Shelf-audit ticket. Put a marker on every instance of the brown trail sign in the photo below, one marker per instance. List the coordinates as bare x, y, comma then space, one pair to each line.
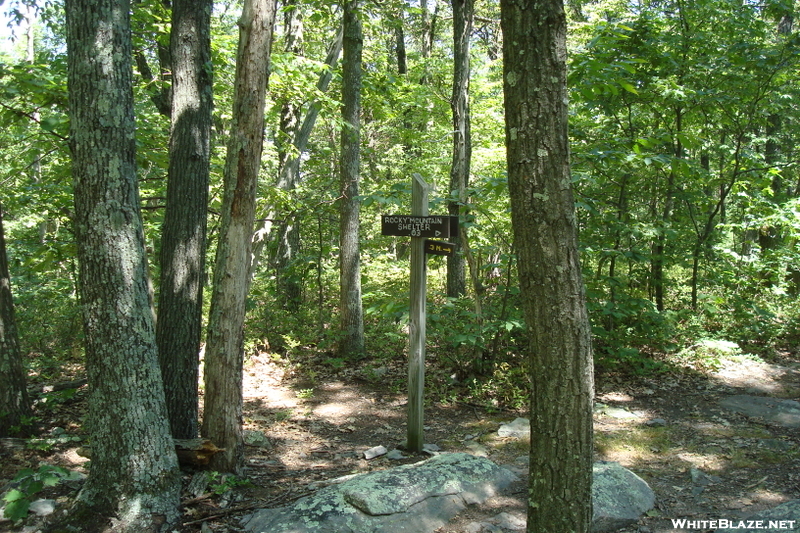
418, 226
439, 248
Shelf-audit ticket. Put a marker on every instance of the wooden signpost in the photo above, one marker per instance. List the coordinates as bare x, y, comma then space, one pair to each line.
419, 226
417, 317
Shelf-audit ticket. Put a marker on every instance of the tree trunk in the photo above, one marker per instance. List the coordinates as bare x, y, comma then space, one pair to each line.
289, 176
134, 474
658, 258
400, 43
15, 406
350, 307
222, 418
288, 286
462, 139
183, 239
543, 218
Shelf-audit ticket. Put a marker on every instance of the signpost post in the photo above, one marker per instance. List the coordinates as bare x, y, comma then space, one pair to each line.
416, 350
419, 226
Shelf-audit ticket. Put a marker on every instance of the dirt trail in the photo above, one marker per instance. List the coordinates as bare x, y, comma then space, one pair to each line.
703, 461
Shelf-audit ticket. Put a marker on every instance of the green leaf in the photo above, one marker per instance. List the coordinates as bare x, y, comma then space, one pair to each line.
628, 87
13, 495
17, 510
22, 474
51, 123
34, 487
51, 479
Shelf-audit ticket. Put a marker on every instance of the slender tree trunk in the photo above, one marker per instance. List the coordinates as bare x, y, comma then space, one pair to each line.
350, 307
15, 406
771, 238
425, 31
288, 286
407, 133
134, 473
289, 179
658, 260
158, 86
400, 43
290, 111
289, 176
222, 414
183, 239
462, 138
545, 237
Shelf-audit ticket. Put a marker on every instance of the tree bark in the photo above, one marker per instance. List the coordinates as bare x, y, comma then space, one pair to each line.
183, 239
15, 406
288, 286
462, 138
659, 259
545, 236
134, 474
222, 419
289, 176
350, 306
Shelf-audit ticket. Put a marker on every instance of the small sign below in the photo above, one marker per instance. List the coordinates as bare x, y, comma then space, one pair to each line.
416, 226
439, 248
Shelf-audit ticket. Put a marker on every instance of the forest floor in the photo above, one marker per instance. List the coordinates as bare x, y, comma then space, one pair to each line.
317, 427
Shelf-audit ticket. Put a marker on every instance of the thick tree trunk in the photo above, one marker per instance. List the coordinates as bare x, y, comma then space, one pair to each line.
545, 236
350, 307
183, 239
15, 406
222, 414
462, 138
134, 473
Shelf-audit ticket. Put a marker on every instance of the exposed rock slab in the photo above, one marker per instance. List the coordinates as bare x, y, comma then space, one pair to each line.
619, 497
502, 523
408, 499
784, 413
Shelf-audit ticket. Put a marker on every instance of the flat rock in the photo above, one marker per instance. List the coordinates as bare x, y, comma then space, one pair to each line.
701, 478
395, 455
613, 412
785, 518
619, 497
407, 499
42, 507
784, 413
477, 449
424, 496
520, 428
498, 524
375, 451
256, 439
776, 445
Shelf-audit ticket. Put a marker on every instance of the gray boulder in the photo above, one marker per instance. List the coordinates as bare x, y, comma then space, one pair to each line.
784, 518
424, 496
784, 413
619, 497
407, 499
520, 428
